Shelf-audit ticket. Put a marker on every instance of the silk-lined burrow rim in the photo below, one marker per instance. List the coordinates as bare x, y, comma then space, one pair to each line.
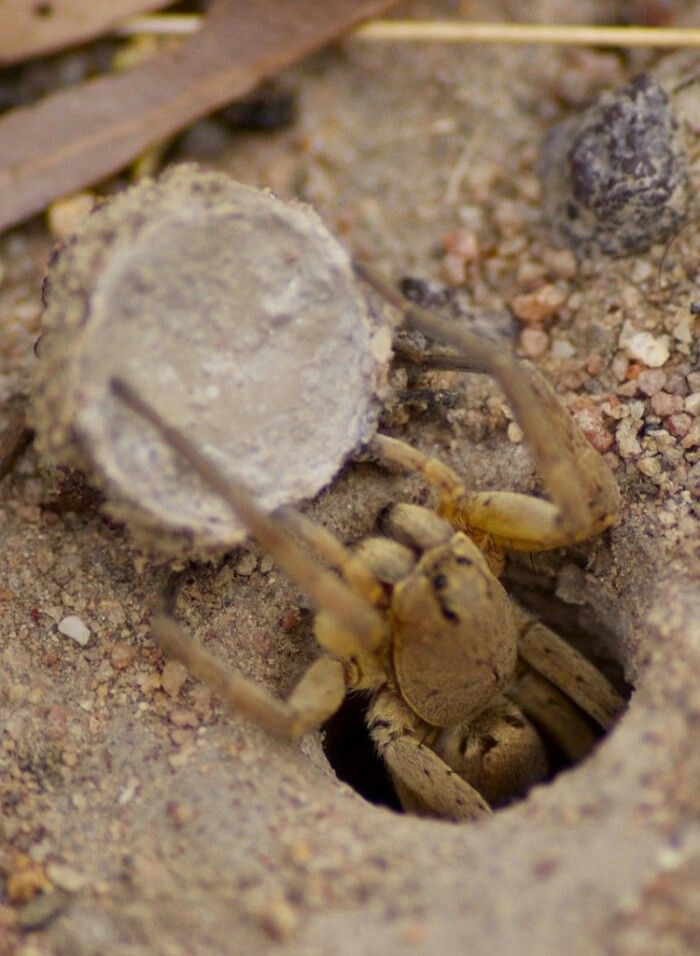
239, 315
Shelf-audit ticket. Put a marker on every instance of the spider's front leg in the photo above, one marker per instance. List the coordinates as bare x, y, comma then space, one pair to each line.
584, 495
424, 782
346, 624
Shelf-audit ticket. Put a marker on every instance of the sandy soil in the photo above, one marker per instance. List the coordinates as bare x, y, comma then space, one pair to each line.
138, 816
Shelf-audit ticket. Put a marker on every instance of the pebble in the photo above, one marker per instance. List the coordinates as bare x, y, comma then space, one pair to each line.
562, 349
591, 423
122, 655
279, 919
266, 563
651, 381
665, 404
651, 467
65, 215
246, 564
533, 307
180, 814
643, 346
693, 480
560, 262
182, 717
173, 677
692, 404
515, 433
534, 342
65, 877
679, 425
626, 436
72, 626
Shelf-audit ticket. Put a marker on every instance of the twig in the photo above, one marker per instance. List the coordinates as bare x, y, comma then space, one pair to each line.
452, 31
571, 35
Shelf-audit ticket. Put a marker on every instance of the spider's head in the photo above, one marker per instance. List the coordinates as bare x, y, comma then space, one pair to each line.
454, 639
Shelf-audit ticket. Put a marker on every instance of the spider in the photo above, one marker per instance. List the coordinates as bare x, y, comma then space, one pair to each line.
459, 677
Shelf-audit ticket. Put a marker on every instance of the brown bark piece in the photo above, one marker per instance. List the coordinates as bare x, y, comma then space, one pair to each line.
78, 136
31, 28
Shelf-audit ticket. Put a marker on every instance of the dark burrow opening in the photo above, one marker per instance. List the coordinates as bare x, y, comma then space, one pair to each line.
352, 754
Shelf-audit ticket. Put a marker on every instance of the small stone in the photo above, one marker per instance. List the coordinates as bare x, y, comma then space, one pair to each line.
619, 366
56, 722
122, 655
594, 364
665, 404
692, 404
651, 381
180, 814
652, 351
679, 425
694, 381
128, 792
537, 306
560, 262
44, 559
533, 342
693, 480
151, 682
65, 877
651, 467
65, 215
676, 384
71, 626
562, 349
626, 437
266, 563
591, 422
183, 717
279, 919
515, 433
615, 176
462, 243
246, 564
173, 677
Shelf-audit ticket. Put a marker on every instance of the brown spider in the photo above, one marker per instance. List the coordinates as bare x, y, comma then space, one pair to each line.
418, 617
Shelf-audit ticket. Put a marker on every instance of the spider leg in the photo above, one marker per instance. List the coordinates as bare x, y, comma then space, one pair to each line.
583, 492
360, 627
554, 712
315, 698
424, 782
552, 657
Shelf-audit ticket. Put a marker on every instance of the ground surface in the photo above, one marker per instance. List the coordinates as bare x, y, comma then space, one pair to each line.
153, 821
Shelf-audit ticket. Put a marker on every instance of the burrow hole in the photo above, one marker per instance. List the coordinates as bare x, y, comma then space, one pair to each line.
351, 752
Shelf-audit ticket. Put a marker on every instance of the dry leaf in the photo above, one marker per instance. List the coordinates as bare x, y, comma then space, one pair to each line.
79, 136
31, 28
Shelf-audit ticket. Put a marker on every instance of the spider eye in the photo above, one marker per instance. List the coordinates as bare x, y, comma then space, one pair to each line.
440, 582
463, 560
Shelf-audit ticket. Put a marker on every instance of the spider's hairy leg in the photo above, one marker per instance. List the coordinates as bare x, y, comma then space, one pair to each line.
397, 452
315, 698
424, 782
584, 495
545, 652
360, 624
554, 712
